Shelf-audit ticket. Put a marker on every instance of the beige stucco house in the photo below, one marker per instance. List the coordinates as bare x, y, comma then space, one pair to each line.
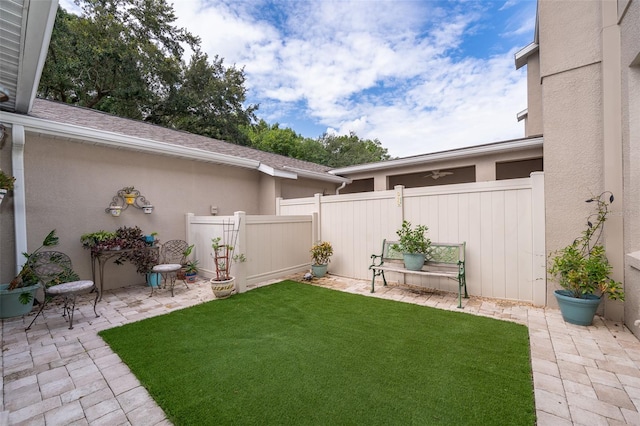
70, 162
583, 70
582, 128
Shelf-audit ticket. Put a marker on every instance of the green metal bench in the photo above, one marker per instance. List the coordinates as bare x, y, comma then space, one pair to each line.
445, 260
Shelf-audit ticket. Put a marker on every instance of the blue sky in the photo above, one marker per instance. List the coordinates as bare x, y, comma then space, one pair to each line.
420, 76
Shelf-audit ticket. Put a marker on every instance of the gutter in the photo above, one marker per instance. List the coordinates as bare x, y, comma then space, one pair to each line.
118, 140
19, 194
508, 146
319, 175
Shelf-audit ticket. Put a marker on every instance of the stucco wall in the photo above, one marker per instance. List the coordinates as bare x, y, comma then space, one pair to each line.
485, 166
69, 184
570, 35
573, 154
7, 242
630, 90
533, 122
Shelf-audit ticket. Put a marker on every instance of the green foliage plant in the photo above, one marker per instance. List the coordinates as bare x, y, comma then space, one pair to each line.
6, 181
191, 267
582, 267
98, 240
413, 241
27, 276
321, 253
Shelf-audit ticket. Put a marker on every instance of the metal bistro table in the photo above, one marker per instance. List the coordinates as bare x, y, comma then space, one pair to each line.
101, 257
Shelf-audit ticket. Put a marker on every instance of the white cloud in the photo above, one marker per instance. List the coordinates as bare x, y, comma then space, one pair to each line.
383, 69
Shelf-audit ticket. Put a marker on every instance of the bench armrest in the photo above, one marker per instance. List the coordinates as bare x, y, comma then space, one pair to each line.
373, 260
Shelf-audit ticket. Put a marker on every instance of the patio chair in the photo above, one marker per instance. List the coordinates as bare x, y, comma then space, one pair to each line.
54, 270
171, 260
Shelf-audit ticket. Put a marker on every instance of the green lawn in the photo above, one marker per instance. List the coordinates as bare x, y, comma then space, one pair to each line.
295, 354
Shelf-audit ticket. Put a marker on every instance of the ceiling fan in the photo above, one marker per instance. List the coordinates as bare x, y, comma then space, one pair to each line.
436, 174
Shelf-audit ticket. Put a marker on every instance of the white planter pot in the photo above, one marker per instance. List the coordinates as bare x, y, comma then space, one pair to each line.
223, 289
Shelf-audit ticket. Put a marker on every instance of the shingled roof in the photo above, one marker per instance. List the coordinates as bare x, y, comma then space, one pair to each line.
88, 119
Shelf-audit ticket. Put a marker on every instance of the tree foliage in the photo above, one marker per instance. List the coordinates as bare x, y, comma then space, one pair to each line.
347, 150
329, 150
208, 101
125, 57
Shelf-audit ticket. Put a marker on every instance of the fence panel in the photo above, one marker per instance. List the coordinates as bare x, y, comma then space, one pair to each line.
274, 246
495, 219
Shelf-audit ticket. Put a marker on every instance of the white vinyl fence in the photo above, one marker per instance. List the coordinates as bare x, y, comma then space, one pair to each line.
502, 223
274, 246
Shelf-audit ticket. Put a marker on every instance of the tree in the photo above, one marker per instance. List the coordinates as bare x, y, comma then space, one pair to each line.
349, 150
125, 57
207, 101
272, 138
119, 57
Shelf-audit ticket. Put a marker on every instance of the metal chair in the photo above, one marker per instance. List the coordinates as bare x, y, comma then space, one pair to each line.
171, 260
54, 270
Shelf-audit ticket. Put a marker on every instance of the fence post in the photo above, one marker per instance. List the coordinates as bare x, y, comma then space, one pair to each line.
240, 223
318, 206
278, 207
539, 260
187, 231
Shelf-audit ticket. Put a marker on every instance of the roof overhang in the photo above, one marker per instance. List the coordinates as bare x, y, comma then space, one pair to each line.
522, 114
474, 151
120, 141
523, 54
25, 32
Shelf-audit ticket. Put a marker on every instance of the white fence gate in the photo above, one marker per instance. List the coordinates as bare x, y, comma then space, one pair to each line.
502, 223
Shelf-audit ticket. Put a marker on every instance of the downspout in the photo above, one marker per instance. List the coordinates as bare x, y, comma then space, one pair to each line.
19, 193
340, 188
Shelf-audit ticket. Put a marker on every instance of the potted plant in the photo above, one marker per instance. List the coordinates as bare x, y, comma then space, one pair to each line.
130, 194
100, 240
6, 184
321, 256
414, 245
143, 258
151, 239
181, 274
191, 271
223, 284
16, 298
583, 270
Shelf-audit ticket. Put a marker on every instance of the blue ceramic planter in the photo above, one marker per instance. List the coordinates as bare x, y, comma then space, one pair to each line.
153, 279
577, 310
10, 305
413, 261
319, 270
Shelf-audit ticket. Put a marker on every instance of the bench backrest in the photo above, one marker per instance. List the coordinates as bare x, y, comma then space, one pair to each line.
442, 253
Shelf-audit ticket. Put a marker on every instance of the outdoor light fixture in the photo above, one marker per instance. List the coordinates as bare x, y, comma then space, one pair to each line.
128, 196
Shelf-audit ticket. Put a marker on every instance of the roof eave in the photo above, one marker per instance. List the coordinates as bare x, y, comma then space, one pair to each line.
37, 29
117, 140
507, 146
327, 177
523, 54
